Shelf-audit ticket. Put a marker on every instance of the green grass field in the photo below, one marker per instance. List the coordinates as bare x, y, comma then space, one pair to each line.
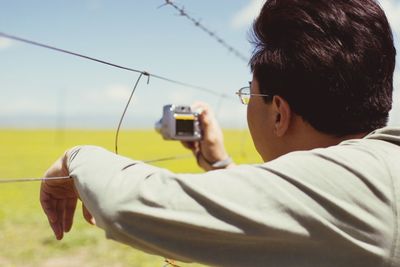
25, 237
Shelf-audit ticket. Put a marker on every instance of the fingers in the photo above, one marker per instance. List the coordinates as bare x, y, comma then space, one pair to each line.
210, 127
188, 144
200, 107
206, 115
193, 146
51, 208
69, 212
48, 205
88, 217
58, 226
211, 148
58, 198
59, 212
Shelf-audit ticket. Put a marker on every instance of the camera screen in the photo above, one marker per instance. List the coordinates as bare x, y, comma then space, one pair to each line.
184, 127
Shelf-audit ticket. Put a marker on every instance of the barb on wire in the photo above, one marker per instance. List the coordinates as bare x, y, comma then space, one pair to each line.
212, 34
142, 73
148, 74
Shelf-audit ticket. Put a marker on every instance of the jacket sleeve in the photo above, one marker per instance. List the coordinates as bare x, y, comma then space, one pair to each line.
250, 215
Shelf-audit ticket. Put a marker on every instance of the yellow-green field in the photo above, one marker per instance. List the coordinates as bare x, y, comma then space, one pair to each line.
26, 239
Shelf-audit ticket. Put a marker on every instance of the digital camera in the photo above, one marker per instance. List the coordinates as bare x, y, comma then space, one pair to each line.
179, 123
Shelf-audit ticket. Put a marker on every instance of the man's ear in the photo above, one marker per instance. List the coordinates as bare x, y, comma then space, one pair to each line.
283, 115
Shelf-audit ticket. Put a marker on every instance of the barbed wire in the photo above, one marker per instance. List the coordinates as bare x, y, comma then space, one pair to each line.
221, 97
145, 73
21, 180
212, 34
142, 73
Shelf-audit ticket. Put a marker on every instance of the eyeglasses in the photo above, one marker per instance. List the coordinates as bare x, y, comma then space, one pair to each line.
244, 95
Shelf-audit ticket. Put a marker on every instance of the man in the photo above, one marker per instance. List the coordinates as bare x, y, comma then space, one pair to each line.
328, 192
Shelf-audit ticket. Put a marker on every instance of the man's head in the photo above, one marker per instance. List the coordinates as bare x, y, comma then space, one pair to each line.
332, 61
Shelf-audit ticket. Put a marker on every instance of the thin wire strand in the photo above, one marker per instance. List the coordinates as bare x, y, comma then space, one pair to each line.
142, 73
16, 38
168, 158
20, 180
170, 263
160, 77
212, 34
123, 114
186, 85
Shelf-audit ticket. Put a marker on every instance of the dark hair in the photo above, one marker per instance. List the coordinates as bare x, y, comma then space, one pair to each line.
332, 60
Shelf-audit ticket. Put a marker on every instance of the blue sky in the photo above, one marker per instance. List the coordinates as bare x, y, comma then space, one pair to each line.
43, 88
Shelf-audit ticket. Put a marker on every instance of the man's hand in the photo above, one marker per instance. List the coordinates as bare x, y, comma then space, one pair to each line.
59, 198
211, 148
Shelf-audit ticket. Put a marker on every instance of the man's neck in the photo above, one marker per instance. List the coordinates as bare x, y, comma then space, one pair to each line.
314, 139
307, 138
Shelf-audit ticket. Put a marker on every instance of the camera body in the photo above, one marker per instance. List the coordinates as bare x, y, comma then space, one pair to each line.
179, 123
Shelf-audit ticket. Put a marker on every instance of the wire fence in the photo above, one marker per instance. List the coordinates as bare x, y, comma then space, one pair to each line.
212, 34
141, 73
182, 12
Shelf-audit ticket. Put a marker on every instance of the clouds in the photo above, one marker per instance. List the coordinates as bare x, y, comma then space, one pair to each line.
109, 99
395, 113
392, 10
246, 15
89, 93
116, 92
5, 43
86, 107
103, 100
25, 105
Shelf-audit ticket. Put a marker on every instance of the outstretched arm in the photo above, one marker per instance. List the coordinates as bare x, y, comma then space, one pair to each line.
250, 215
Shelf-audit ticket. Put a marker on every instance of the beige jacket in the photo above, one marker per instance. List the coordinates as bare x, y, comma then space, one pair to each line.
336, 206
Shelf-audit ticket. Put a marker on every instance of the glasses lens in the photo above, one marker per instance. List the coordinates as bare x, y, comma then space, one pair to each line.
244, 94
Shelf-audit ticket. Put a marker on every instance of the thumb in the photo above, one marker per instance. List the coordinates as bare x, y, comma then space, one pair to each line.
88, 217
206, 117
